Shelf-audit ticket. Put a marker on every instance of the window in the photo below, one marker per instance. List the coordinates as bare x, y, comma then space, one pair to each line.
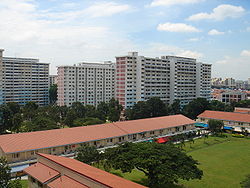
240, 123
15, 155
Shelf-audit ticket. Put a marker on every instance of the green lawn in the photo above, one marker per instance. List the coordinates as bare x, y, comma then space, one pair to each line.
24, 183
224, 161
224, 164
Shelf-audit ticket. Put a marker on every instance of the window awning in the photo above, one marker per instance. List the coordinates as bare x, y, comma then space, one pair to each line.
204, 125
162, 140
18, 168
228, 128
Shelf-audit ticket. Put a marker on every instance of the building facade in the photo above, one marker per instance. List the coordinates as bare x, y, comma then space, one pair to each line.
88, 83
23, 80
20, 149
229, 97
60, 172
139, 78
234, 121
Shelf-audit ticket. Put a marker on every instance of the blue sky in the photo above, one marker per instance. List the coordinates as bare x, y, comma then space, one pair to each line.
64, 32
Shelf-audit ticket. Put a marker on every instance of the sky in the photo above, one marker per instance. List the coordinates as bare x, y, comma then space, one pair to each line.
65, 32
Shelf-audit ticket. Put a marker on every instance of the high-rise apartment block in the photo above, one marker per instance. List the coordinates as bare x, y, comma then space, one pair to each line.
88, 83
23, 80
139, 78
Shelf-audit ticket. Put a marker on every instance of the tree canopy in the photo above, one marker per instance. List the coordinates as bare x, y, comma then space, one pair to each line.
215, 126
53, 94
87, 154
161, 163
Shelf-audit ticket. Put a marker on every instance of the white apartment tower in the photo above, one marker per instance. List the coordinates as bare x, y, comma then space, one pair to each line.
23, 80
88, 83
139, 78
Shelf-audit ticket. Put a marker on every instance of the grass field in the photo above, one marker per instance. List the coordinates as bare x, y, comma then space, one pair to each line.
224, 161
24, 183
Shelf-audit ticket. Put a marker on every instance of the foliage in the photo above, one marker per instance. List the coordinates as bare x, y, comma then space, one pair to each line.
243, 104
4, 173
246, 182
215, 126
15, 184
196, 107
114, 110
87, 121
53, 94
153, 107
220, 106
161, 163
175, 107
87, 154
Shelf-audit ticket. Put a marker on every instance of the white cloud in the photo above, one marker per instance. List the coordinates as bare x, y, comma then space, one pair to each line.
106, 9
215, 32
245, 53
163, 49
26, 31
219, 13
177, 27
194, 39
173, 2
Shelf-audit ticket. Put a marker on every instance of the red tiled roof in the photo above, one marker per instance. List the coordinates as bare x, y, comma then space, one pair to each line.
66, 182
231, 116
12, 143
41, 172
92, 172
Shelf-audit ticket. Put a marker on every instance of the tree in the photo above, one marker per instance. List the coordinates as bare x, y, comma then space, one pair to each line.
79, 109
157, 107
246, 182
29, 110
87, 154
8, 112
15, 184
215, 126
161, 163
53, 94
153, 107
175, 107
139, 111
91, 111
87, 121
4, 173
42, 123
196, 107
70, 117
114, 110
102, 111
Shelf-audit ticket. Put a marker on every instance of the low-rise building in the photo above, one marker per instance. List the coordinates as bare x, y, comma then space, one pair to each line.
228, 96
232, 120
21, 148
60, 172
242, 110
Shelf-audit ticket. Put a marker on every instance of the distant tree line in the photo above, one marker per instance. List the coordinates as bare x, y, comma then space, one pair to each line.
31, 117
154, 107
